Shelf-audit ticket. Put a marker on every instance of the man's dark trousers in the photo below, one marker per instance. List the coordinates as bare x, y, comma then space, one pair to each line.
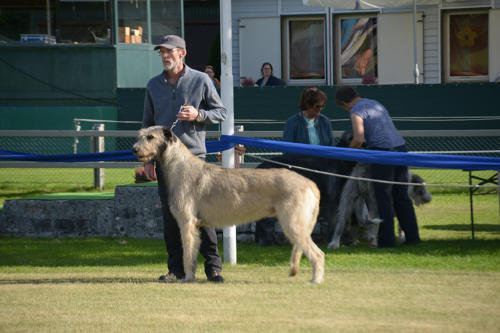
173, 241
394, 198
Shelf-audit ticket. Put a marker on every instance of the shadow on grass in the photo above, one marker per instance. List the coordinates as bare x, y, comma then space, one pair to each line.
98, 280
73, 252
113, 252
494, 228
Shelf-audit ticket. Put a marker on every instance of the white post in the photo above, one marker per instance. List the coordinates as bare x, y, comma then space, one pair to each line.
229, 233
97, 146
415, 44
78, 128
49, 23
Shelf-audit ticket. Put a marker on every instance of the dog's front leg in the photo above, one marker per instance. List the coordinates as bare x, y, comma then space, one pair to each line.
348, 195
190, 244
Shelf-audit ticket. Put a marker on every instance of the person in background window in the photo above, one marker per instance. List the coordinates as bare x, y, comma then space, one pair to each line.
268, 79
210, 71
306, 126
372, 125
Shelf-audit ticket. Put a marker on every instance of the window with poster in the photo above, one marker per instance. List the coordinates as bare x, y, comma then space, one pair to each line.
304, 50
465, 49
356, 49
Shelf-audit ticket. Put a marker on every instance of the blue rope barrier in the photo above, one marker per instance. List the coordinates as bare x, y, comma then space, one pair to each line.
435, 161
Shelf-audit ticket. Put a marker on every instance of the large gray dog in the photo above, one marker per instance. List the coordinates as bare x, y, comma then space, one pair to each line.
203, 194
357, 213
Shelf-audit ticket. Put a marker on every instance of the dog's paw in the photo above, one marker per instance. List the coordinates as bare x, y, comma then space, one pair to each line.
333, 245
316, 281
374, 220
187, 280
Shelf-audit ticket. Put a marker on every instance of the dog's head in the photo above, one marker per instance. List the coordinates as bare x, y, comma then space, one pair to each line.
345, 139
152, 142
418, 194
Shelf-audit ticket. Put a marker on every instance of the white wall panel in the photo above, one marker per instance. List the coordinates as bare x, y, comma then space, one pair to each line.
259, 42
395, 48
494, 45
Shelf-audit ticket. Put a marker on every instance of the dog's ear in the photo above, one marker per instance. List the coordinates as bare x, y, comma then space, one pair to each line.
169, 136
345, 139
416, 178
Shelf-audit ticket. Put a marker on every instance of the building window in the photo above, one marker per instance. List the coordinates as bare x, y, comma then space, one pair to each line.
165, 19
56, 21
86, 21
466, 46
356, 49
304, 54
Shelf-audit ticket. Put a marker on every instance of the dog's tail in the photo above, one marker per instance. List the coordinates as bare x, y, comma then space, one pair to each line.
295, 260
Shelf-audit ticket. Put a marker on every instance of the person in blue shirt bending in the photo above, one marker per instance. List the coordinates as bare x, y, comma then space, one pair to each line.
372, 125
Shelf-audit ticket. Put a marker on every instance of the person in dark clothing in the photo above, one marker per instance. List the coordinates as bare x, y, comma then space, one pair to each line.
308, 126
268, 79
184, 100
373, 126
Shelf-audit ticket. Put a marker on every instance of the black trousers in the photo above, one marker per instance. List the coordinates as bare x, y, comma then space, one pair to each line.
173, 241
394, 199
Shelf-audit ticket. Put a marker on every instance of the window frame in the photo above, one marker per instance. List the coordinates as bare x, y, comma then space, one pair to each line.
338, 47
447, 78
286, 48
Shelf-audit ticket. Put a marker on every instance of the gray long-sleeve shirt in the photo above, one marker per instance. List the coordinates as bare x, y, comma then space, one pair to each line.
163, 101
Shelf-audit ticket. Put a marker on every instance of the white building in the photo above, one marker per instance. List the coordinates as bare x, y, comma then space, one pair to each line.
309, 44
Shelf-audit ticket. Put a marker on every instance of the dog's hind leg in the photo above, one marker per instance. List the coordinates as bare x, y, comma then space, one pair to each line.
371, 202
295, 260
304, 243
317, 259
297, 220
190, 243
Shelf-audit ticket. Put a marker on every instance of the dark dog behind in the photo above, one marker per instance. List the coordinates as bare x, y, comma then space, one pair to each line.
329, 188
359, 214
356, 216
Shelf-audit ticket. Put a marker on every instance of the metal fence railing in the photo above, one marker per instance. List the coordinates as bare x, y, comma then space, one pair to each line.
471, 142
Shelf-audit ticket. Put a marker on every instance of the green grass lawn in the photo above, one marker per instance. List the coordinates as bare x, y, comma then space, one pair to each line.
104, 285
448, 283
24, 182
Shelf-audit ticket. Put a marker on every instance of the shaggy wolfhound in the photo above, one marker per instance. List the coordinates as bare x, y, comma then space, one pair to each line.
358, 213
203, 194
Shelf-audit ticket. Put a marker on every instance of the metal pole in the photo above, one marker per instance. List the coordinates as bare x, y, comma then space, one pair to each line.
148, 18
49, 28
116, 32
97, 146
78, 128
471, 193
415, 44
229, 233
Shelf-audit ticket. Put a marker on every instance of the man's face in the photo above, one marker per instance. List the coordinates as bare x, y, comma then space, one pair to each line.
171, 58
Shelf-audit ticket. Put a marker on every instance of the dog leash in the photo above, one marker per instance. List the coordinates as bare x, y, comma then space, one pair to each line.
173, 125
177, 120
290, 166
